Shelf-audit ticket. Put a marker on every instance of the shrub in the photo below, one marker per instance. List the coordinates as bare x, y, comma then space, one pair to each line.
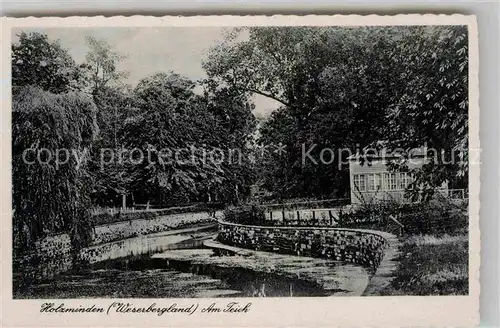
308, 204
436, 217
203, 207
252, 215
106, 218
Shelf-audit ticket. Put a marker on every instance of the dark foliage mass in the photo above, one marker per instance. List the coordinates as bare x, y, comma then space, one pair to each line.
347, 88
48, 198
38, 61
252, 214
436, 217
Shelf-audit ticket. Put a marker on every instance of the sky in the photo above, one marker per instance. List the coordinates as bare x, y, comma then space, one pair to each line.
151, 50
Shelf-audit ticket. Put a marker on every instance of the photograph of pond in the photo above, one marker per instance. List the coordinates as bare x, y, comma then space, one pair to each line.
263, 161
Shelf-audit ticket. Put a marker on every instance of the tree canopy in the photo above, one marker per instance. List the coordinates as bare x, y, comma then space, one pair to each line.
48, 197
177, 129
347, 88
43, 63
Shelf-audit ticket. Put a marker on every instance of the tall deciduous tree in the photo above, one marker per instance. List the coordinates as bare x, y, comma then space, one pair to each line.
236, 125
162, 124
331, 83
431, 105
186, 139
113, 99
49, 119
40, 62
346, 88
101, 65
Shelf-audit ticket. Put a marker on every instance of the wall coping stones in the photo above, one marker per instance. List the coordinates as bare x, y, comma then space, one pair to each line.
382, 234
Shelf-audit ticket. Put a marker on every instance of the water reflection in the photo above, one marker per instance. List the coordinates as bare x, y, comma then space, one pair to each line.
182, 267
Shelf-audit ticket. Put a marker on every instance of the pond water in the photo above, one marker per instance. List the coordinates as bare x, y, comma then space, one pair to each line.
185, 268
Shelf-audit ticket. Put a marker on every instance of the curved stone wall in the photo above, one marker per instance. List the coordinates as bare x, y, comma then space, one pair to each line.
363, 247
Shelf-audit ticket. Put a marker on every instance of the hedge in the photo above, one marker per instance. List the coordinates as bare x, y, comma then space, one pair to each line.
436, 217
107, 218
304, 205
251, 214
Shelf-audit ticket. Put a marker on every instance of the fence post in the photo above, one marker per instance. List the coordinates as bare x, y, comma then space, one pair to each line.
331, 217
314, 218
283, 214
298, 218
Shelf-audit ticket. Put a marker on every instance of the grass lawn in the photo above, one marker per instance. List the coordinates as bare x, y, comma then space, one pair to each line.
431, 265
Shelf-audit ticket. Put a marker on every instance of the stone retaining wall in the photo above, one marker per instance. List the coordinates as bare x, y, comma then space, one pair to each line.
52, 255
363, 247
133, 228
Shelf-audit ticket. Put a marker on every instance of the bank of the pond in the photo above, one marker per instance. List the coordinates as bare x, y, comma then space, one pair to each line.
149, 244
123, 259
364, 247
33, 273
432, 265
52, 255
246, 261
377, 251
184, 271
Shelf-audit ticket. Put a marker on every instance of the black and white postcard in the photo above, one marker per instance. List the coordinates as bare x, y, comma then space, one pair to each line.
240, 171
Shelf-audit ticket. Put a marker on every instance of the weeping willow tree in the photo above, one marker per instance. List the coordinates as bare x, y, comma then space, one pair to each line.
51, 197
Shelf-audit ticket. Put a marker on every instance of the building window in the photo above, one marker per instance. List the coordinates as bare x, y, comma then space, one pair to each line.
359, 182
393, 182
374, 181
390, 181
378, 181
406, 180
